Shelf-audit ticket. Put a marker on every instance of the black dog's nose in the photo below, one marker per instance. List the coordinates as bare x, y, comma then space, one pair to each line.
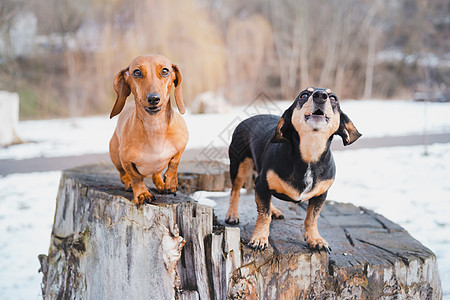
153, 98
320, 97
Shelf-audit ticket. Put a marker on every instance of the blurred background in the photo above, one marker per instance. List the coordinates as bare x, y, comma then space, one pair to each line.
61, 55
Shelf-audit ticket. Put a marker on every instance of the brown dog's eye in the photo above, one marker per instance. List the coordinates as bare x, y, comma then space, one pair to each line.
137, 73
165, 72
333, 98
304, 95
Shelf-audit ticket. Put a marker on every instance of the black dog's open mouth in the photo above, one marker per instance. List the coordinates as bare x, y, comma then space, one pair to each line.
317, 115
152, 109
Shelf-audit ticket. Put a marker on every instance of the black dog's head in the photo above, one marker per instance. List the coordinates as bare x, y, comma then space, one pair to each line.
316, 113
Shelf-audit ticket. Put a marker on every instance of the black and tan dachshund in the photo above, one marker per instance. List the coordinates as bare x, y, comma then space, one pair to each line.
292, 158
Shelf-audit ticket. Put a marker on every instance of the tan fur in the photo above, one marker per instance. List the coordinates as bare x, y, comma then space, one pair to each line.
244, 170
144, 144
277, 213
313, 143
352, 132
260, 236
312, 236
318, 189
280, 186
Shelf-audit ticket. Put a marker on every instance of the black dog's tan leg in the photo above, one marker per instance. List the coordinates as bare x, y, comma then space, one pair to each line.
276, 213
171, 177
244, 170
158, 181
312, 236
260, 236
140, 191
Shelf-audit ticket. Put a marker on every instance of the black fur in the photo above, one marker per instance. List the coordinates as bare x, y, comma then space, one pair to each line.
252, 138
275, 145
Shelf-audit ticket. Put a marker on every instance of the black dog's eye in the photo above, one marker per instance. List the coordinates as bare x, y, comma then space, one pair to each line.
137, 73
304, 96
165, 72
333, 98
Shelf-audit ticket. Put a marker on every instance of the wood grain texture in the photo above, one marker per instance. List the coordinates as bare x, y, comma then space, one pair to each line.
103, 247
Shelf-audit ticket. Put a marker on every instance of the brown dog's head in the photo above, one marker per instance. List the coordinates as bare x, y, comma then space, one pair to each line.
150, 79
316, 111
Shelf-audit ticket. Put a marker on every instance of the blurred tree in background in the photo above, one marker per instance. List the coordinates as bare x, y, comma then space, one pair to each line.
62, 55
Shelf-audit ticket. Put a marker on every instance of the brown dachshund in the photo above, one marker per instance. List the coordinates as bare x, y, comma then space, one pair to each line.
149, 135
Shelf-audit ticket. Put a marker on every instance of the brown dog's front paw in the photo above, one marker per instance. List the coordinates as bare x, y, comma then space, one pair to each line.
127, 182
259, 242
171, 184
232, 218
158, 182
317, 242
145, 197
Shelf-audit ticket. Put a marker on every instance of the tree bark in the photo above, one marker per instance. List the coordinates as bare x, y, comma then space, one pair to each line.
102, 247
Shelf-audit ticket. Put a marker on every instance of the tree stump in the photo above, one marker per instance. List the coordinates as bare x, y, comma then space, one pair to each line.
102, 247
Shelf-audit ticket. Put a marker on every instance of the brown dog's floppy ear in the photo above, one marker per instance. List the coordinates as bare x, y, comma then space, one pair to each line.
347, 130
122, 90
284, 128
178, 89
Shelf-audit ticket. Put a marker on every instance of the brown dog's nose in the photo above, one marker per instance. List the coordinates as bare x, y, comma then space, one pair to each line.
320, 97
153, 98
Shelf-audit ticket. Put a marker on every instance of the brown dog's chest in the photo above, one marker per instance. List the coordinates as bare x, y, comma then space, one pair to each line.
154, 158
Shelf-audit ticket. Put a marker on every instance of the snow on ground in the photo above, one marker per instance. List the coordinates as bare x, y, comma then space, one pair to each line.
405, 186
27, 208
78, 136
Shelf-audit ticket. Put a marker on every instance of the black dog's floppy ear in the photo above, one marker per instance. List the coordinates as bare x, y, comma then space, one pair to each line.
347, 130
122, 90
284, 128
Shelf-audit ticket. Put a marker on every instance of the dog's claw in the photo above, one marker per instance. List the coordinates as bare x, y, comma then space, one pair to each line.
258, 245
321, 247
232, 222
150, 200
280, 217
171, 192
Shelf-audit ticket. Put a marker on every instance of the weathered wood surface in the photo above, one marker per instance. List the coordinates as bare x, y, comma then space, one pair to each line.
372, 257
103, 247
